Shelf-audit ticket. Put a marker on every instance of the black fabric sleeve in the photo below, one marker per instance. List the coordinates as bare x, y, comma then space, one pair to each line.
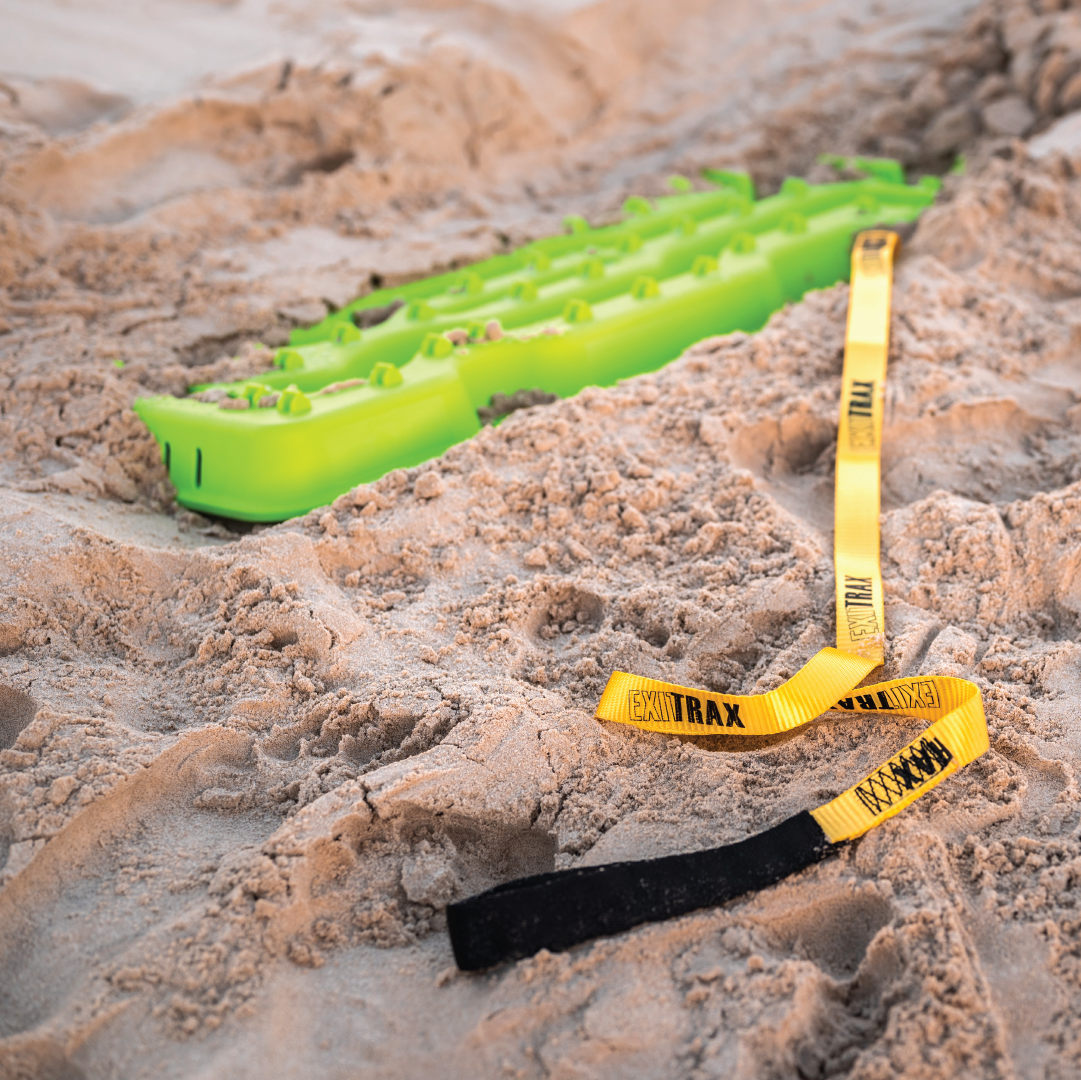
555, 911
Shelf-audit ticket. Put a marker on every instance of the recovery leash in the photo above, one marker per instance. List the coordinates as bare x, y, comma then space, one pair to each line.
564, 908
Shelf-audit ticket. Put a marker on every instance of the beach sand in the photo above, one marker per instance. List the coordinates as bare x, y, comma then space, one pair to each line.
243, 771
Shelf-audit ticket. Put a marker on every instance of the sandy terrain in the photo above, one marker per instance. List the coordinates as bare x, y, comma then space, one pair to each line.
243, 772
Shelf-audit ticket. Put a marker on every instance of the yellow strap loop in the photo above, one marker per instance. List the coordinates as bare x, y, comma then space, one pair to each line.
830, 678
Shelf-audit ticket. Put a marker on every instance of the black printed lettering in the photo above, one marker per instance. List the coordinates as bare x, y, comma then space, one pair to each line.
861, 400
656, 706
712, 712
678, 699
858, 589
930, 753
861, 433
732, 719
861, 623
910, 769
871, 261
845, 703
861, 424
859, 606
866, 701
916, 695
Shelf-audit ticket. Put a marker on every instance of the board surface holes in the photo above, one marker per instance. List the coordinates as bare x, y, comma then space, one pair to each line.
198, 468
168, 457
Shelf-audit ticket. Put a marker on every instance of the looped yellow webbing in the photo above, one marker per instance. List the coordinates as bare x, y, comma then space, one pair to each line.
831, 678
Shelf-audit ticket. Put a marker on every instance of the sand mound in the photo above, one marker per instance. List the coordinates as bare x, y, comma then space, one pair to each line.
241, 776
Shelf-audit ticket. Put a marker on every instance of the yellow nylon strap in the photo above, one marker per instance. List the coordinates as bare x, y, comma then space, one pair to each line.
830, 678
861, 624
679, 710
958, 737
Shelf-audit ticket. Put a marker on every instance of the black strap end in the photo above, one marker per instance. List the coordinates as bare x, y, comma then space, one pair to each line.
559, 910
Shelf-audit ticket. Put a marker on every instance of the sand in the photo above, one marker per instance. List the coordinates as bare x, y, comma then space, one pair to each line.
242, 772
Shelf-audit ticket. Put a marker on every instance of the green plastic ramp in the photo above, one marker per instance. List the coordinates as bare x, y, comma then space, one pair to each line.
346, 405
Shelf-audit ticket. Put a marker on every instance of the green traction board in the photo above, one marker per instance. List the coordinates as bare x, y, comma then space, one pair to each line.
588, 308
